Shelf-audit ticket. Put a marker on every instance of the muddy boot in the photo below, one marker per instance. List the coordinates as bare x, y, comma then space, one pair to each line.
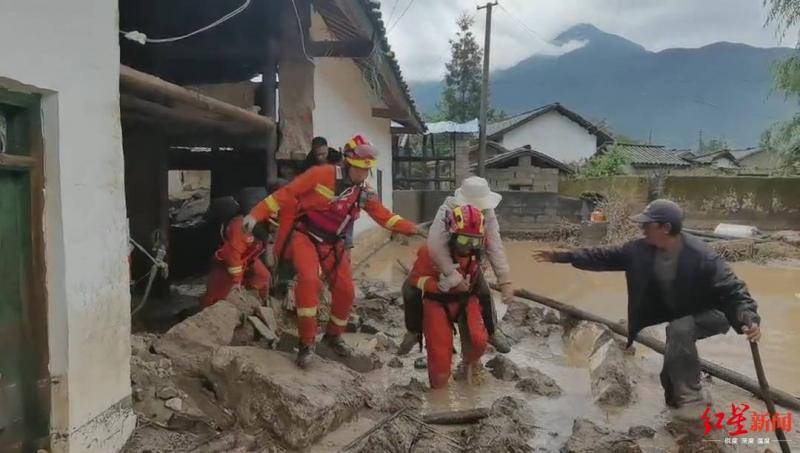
500, 342
337, 345
410, 339
304, 357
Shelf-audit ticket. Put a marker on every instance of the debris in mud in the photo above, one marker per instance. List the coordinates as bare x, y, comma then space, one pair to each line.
522, 320
395, 363
641, 432
399, 396
190, 343
508, 427
538, 383
265, 390
612, 377
503, 368
588, 437
421, 363
404, 432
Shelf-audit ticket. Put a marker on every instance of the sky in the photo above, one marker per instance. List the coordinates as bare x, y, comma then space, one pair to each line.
419, 30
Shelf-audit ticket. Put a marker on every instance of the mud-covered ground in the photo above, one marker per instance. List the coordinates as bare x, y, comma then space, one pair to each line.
223, 381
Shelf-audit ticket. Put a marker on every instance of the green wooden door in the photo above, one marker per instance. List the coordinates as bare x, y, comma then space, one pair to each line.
24, 424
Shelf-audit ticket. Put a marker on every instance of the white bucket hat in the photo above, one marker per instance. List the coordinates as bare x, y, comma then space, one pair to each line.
475, 191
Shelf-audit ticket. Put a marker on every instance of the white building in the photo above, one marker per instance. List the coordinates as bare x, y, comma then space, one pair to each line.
64, 303
553, 130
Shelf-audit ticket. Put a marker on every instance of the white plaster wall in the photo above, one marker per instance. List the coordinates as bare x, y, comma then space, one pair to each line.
343, 108
555, 135
68, 51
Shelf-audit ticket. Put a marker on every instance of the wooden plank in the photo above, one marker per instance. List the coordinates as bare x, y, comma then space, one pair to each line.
388, 113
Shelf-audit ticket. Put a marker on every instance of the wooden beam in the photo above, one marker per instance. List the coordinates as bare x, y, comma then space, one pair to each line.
15, 162
150, 87
388, 113
183, 117
351, 48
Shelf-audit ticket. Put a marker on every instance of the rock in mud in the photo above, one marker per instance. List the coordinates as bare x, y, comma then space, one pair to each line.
421, 363
508, 427
246, 301
175, 404
612, 378
584, 336
385, 343
358, 361
503, 368
266, 390
641, 432
588, 437
395, 363
189, 344
167, 393
538, 383
399, 397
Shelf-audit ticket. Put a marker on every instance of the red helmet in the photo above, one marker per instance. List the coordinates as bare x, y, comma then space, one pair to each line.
360, 153
466, 220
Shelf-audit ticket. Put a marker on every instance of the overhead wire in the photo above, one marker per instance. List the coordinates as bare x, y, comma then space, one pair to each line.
141, 38
411, 2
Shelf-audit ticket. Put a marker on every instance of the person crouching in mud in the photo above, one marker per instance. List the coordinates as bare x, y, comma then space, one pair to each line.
460, 305
673, 277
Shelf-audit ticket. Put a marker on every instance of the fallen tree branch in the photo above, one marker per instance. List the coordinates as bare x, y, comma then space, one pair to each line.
462, 417
779, 396
377, 426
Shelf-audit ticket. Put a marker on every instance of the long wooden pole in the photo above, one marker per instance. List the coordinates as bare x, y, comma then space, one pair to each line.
762, 381
484, 88
779, 396
151, 87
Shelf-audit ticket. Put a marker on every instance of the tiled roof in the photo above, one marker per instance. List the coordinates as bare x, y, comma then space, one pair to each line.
740, 154
539, 159
650, 155
497, 129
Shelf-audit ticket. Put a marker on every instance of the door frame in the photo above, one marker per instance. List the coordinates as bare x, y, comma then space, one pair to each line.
35, 313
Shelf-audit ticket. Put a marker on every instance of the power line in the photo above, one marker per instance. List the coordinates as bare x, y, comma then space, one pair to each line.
142, 38
525, 26
400, 16
391, 13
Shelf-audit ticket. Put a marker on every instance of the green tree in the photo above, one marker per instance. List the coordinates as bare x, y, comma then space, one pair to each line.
461, 98
784, 136
611, 163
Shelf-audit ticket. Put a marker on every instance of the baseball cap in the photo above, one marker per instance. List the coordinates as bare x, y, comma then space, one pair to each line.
661, 211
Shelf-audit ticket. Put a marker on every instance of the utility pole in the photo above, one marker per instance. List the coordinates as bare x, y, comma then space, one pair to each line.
484, 89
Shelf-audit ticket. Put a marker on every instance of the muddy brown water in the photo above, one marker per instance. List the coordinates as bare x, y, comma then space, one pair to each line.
775, 287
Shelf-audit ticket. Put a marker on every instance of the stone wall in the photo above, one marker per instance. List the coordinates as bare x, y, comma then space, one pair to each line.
768, 203
519, 211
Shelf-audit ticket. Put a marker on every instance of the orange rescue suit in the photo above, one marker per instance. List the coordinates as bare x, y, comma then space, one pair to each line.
442, 310
314, 196
236, 262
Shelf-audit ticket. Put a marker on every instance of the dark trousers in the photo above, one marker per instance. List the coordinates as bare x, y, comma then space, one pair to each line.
680, 375
412, 306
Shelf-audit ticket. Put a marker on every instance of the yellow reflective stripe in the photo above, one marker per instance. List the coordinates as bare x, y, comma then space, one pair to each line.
307, 312
324, 191
421, 283
235, 270
339, 322
393, 220
272, 204
361, 163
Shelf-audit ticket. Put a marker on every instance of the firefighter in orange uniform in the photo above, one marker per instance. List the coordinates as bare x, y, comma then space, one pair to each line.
459, 305
315, 211
236, 262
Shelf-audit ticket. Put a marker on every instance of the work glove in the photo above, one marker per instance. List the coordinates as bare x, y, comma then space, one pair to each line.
248, 224
449, 281
507, 292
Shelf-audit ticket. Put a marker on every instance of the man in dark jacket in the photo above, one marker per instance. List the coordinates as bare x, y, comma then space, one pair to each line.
675, 278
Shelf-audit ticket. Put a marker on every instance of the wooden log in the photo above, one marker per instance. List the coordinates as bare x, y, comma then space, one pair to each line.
778, 396
151, 87
462, 417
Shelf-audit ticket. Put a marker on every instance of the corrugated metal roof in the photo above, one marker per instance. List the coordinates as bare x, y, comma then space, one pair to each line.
470, 127
740, 154
650, 155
